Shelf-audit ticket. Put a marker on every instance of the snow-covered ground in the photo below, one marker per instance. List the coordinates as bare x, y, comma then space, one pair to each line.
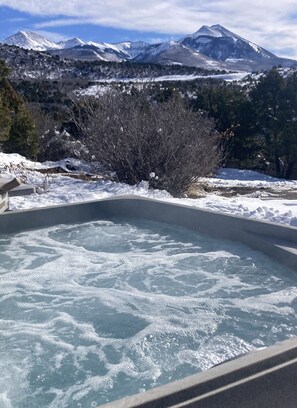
104, 85
268, 199
235, 76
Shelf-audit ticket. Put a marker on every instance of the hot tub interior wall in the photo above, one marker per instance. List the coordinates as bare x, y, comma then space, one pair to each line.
277, 241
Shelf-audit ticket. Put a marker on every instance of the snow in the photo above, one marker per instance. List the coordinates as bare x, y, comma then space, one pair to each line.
30, 41
215, 31
205, 31
247, 177
101, 45
210, 31
73, 42
103, 87
35, 41
132, 49
159, 48
269, 201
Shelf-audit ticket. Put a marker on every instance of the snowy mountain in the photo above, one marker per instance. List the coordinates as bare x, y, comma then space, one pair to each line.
132, 49
217, 36
30, 41
222, 45
172, 52
102, 51
210, 47
73, 42
89, 52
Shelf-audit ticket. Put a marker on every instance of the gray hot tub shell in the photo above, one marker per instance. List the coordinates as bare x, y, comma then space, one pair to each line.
263, 379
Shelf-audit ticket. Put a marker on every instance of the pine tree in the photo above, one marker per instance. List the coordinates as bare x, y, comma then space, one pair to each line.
234, 116
275, 101
5, 121
289, 132
17, 130
268, 100
4, 69
22, 136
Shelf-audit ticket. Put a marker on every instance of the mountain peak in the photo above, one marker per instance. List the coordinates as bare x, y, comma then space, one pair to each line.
224, 32
208, 31
218, 27
215, 31
73, 42
30, 41
219, 43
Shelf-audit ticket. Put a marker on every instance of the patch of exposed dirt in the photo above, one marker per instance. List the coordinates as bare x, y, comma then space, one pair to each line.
201, 190
79, 176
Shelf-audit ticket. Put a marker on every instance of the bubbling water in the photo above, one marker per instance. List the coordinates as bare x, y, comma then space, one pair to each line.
93, 312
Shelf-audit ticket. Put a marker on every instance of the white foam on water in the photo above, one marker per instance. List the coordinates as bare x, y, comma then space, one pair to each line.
93, 312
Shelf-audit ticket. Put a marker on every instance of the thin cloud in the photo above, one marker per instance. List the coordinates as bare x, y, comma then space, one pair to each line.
269, 25
16, 20
49, 35
62, 22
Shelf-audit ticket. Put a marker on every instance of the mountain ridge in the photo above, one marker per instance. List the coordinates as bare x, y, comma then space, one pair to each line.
209, 47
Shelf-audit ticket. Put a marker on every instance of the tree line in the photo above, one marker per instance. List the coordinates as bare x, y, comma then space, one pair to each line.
259, 122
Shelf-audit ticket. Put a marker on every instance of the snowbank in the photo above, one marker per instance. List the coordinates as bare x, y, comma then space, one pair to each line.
60, 189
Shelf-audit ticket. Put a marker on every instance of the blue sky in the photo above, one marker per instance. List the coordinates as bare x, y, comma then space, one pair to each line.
269, 24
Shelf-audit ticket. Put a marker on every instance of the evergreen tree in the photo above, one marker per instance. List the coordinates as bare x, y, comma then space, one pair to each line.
4, 69
289, 150
289, 132
246, 147
234, 116
5, 121
275, 102
271, 115
17, 130
22, 136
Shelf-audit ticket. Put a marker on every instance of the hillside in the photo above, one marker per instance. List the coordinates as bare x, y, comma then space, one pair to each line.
32, 64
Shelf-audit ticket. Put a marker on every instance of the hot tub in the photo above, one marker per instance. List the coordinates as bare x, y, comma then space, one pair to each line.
107, 306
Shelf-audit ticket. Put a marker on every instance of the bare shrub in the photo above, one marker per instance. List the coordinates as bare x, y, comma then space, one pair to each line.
164, 143
54, 144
